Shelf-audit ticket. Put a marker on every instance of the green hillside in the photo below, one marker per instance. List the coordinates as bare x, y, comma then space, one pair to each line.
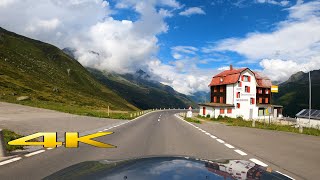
294, 93
142, 92
50, 78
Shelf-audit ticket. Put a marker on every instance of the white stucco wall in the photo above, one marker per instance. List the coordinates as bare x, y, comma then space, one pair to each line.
244, 99
305, 122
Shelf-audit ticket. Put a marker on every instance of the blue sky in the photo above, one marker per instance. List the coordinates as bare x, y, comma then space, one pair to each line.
179, 43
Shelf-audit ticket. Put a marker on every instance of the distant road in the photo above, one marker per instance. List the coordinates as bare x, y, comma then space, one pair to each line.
161, 133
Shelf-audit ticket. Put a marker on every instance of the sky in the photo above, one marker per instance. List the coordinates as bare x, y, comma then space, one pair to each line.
181, 43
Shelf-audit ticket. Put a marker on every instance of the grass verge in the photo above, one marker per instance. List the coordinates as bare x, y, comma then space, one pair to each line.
193, 120
261, 125
9, 135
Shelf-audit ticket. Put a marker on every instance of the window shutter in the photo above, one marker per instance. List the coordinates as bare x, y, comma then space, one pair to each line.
240, 84
249, 78
242, 77
248, 89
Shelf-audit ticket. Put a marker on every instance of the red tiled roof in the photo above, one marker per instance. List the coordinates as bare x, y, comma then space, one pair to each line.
232, 76
228, 76
262, 80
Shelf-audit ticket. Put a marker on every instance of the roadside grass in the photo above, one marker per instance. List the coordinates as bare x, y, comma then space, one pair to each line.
193, 120
9, 135
261, 125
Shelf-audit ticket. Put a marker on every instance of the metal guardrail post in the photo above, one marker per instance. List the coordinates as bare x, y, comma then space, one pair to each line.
3, 152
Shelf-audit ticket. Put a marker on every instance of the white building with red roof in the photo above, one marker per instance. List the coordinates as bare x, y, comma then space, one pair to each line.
240, 92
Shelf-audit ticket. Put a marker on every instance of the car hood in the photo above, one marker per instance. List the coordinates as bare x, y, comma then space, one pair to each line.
166, 168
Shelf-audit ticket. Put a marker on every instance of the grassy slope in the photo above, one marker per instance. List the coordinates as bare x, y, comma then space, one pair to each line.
33, 68
294, 93
142, 93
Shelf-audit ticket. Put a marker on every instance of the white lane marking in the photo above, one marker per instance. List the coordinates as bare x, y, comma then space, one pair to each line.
159, 120
240, 152
10, 161
220, 140
207, 133
99, 131
49, 148
285, 175
34, 153
213, 137
107, 129
229, 146
258, 162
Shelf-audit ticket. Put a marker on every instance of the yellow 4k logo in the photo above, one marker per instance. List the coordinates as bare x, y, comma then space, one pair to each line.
72, 140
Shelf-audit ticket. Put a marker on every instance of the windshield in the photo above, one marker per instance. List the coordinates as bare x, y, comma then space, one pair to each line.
170, 89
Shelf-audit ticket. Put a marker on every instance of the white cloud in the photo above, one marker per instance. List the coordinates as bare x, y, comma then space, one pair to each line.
185, 49
191, 11
5, 3
296, 40
274, 2
192, 80
46, 25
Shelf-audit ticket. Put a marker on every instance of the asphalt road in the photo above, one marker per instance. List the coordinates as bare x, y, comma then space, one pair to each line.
161, 133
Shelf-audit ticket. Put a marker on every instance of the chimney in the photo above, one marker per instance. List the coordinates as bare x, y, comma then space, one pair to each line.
231, 68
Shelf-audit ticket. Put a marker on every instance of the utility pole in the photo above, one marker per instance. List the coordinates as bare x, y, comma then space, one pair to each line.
309, 97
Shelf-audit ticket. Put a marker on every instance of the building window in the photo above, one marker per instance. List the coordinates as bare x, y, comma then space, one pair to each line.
215, 99
252, 100
238, 105
260, 100
239, 84
260, 90
215, 89
266, 100
221, 89
221, 99
221, 111
247, 89
267, 91
238, 94
246, 78
229, 110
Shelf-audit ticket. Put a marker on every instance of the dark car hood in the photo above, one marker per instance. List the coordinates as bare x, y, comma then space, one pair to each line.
166, 168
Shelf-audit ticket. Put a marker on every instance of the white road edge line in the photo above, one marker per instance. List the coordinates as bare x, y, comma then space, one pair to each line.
10, 161
285, 175
259, 162
208, 133
34, 153
49, 148
220, 140
240, 152
229, 146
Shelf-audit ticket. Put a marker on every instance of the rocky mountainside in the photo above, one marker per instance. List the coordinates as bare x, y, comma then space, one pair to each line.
141, 91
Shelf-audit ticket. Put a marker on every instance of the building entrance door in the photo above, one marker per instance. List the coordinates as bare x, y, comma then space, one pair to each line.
204, 111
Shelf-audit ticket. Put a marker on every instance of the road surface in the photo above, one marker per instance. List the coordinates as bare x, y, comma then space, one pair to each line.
162, 133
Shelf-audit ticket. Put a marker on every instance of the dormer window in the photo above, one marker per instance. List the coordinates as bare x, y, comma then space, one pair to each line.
221, 79
246, 78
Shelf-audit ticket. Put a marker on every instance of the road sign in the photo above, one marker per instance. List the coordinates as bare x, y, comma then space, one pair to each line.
274, 89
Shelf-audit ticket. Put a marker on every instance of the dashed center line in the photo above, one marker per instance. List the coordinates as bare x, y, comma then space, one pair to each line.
10, 161
34, 153
220, 140
240, 152
229, 146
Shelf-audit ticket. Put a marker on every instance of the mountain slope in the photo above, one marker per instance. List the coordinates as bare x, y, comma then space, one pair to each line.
49, 77
294, 93
142, 92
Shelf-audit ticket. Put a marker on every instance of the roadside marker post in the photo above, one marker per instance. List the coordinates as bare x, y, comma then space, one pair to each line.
3, 152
